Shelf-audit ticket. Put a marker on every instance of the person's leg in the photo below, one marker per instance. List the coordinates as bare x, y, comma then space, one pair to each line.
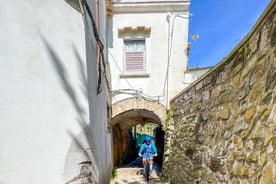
151, 163
144, 163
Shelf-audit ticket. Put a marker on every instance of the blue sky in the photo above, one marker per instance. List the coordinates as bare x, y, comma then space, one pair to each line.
221, 25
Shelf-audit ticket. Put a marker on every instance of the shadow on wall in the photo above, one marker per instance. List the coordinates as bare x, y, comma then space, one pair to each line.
74, 4
159, 142
79, 155
110, 32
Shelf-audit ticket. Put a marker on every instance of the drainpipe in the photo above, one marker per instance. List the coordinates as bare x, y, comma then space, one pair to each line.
169, 15
171, 18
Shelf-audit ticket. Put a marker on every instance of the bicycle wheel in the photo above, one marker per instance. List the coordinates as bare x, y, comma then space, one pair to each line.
147, 172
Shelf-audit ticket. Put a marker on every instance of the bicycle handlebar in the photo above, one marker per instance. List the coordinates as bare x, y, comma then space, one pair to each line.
154, 155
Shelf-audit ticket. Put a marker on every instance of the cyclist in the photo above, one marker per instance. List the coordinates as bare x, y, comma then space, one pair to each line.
149, 150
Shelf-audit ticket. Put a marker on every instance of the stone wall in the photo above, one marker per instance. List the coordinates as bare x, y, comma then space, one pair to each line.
222, 129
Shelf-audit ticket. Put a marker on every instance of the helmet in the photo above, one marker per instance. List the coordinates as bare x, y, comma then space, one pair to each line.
148, 139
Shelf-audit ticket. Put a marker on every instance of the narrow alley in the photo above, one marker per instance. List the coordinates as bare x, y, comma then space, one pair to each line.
130, 175
92, 91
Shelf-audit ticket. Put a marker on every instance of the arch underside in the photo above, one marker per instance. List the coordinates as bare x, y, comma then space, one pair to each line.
131, 118
131, 112
127, 114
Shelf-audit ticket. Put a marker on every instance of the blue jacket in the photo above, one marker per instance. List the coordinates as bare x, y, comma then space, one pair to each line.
148, 148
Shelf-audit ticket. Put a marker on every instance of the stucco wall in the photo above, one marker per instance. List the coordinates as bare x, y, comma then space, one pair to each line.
222, 128
51, 117
165, 24
192, 75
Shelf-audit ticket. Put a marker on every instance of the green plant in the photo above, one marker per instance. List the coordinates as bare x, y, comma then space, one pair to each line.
168, 117
114, 173
163, 178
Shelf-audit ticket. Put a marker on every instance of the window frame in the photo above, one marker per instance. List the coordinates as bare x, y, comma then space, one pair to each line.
134, 71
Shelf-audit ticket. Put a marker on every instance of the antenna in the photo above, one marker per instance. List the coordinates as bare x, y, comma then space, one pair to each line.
195, 37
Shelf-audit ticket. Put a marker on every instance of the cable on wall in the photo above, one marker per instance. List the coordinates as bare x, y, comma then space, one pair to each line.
99, 42
138, 94
116, 63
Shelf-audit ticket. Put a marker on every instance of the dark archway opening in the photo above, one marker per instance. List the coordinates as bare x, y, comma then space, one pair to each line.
126, 144
127, 115
159, 140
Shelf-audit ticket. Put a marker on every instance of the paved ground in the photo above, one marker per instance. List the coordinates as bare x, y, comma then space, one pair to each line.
129, 175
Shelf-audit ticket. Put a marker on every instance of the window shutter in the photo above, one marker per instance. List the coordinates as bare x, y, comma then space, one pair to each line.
135, 61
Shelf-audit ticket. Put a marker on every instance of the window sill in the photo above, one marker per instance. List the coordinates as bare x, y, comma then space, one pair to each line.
135, 75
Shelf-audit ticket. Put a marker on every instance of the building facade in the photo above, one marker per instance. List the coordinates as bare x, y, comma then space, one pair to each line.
54, 93
148, 48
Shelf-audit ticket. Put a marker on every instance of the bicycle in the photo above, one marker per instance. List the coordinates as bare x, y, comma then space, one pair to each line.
147, 170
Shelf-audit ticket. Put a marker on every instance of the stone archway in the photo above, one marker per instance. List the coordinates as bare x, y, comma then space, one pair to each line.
137, 110
129, 113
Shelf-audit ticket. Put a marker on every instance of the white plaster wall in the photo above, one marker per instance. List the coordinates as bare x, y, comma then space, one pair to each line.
100, 140
178, 60
192, 75
43, 94
156, 52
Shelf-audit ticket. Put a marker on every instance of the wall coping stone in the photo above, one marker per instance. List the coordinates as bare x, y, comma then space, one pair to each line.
254, 29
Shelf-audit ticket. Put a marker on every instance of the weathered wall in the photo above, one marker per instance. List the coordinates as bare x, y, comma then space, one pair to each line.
124, 147
127, 114
168, 21
51, 118
192, 75
99, 103
223, 126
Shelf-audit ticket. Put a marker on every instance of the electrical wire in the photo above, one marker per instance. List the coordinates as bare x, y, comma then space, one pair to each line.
170, 46
101, 46
132, 88
138, 94
119, 68
97, 36
116, 63
169, 54
143, 95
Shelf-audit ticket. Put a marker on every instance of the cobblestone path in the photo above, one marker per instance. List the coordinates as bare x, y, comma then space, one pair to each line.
129, 175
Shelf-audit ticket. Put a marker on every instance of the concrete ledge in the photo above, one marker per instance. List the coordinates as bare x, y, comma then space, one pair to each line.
151, 6
142, 75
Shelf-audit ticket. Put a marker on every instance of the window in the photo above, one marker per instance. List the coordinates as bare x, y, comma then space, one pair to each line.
134, 56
